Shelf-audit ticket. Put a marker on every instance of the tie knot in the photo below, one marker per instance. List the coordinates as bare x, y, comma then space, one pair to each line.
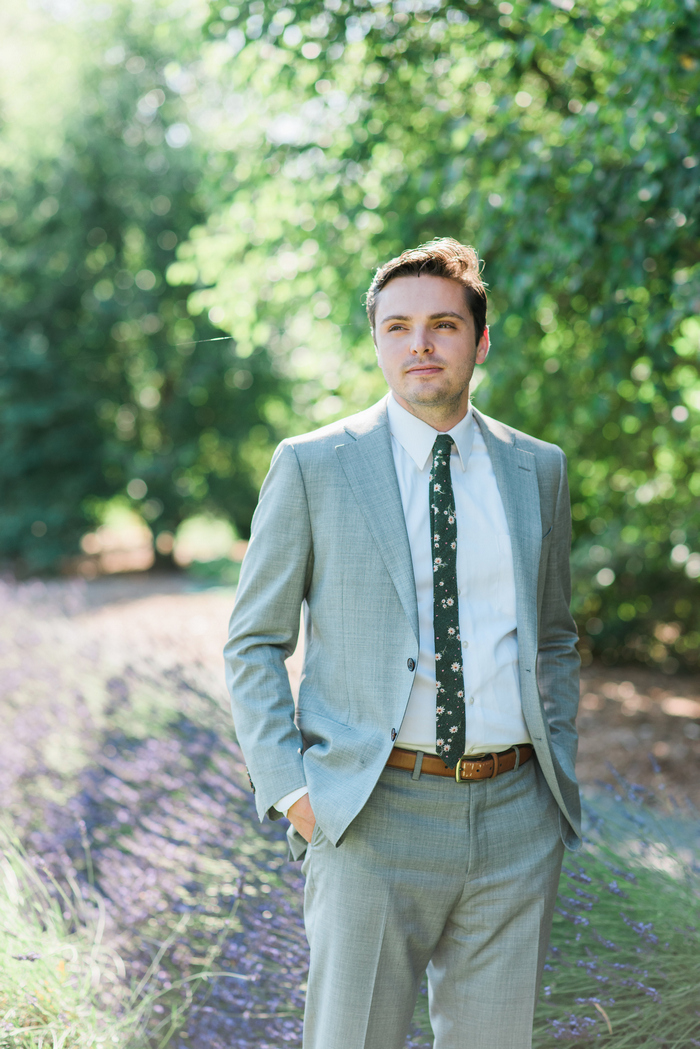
443, 445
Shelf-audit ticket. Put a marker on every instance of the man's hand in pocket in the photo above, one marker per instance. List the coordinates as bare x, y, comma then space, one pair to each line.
301, 815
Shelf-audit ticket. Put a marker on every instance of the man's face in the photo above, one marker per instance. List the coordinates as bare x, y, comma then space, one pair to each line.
426, 346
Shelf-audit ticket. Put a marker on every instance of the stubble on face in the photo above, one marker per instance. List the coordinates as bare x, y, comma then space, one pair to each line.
426, 347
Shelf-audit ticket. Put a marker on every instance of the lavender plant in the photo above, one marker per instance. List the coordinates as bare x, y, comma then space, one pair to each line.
107, 730
624, 965
119, 767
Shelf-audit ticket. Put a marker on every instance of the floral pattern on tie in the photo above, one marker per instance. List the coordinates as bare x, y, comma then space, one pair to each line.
449, 711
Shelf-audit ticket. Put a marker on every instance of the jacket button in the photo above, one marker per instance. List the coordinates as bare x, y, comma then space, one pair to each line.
411, 664
394, 734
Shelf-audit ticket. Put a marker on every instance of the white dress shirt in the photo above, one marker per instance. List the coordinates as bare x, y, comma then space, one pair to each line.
486, 590
485, 587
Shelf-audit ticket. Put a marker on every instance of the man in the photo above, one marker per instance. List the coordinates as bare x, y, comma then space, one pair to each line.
430, 762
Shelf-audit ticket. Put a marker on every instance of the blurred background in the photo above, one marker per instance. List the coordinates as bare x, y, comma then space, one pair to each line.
193, 199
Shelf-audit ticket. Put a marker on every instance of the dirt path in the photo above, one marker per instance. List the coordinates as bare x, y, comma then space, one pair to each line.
644, 725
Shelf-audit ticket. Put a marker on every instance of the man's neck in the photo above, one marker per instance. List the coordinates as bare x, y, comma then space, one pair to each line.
442, 417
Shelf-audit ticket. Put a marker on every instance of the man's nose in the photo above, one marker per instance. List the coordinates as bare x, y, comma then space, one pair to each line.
421, 341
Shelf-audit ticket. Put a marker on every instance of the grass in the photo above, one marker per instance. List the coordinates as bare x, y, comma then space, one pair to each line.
624, 964
61, 986
119, 768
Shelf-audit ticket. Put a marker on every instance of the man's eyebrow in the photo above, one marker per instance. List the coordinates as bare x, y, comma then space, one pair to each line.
432, 317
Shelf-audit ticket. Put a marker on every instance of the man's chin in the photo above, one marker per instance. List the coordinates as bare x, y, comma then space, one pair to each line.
430, 395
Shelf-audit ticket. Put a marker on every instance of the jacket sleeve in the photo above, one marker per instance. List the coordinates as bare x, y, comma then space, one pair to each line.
558, 660
263, 632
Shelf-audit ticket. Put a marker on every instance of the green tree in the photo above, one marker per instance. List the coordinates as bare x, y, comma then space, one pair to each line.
563, 142
323, 138
105, 384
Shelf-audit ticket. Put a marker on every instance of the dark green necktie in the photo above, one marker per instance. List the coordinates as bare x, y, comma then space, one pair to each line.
450, 716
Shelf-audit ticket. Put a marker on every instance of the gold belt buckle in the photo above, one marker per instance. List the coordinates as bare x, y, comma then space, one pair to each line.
465, 757
458, 770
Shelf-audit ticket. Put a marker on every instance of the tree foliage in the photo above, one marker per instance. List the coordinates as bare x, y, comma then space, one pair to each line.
561, 139
105, 386
563, 143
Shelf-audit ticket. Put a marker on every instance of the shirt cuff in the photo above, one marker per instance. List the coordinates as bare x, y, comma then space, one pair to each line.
285, 803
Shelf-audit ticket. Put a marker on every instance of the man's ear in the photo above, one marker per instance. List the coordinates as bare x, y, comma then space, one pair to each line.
482, 349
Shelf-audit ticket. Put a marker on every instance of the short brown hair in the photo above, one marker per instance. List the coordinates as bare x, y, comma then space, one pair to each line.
442, 257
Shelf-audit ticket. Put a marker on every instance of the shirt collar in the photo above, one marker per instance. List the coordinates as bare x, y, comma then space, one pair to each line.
417, 437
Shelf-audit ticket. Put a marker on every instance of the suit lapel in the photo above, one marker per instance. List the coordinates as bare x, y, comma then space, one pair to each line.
516, 475
368, 463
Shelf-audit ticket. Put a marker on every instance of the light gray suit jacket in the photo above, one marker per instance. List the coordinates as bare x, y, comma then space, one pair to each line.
329, 534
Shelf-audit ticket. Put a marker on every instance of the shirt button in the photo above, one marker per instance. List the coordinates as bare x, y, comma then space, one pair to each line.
465, 644
471, 701
411, 664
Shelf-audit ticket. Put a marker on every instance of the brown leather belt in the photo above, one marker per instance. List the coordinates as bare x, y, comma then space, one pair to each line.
481, 766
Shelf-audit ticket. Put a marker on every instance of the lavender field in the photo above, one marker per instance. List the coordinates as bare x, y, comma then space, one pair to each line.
117, 732
119, 770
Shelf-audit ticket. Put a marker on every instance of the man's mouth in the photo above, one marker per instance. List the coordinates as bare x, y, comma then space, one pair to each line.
424, 369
